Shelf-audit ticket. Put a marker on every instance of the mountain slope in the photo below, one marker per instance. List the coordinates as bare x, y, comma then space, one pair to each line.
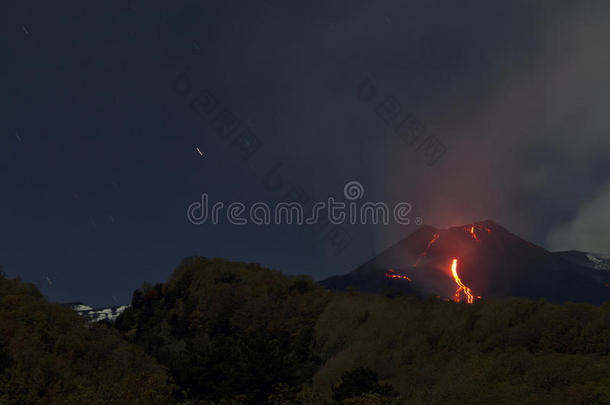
226, 329
491, 262
241, 334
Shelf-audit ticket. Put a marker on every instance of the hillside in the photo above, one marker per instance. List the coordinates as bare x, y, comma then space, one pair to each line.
491, 261
237, 331
229, 330
220, 332
48, 355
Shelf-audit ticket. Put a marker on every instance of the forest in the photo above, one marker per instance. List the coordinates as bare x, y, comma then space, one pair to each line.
222, 332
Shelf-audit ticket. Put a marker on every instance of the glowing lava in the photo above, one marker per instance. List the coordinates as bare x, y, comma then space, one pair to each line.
461, 286
392, 274
474, 235
472, 230
425, 252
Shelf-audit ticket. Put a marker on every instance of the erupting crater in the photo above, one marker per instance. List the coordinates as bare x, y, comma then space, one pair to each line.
464, 262
472, 231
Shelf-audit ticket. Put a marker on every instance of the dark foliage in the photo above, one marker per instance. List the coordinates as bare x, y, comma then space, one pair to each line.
49, 355
236, 333
229, 330
361, 380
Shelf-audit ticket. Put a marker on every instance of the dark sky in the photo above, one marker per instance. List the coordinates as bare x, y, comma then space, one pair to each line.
97, 154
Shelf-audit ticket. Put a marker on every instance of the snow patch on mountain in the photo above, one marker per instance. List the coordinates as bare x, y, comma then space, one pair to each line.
599, 262
109, 314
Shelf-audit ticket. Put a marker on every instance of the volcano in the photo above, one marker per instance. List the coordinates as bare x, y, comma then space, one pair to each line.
479, 260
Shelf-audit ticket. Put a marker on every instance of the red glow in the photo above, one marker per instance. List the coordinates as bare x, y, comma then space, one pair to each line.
425, 252
393, 274
474, 235
462, 290
461, 286
472, 230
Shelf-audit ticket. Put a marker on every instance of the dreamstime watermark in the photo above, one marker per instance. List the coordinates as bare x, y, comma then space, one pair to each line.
404, 124
293, 213
248, 147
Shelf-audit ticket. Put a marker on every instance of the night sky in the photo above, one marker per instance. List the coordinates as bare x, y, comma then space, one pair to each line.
98, 158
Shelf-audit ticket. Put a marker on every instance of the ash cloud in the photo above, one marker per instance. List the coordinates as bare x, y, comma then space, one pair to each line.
529, 137
588, 230
516, 90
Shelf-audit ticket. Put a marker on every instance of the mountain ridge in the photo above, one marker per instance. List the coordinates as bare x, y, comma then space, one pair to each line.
490, 260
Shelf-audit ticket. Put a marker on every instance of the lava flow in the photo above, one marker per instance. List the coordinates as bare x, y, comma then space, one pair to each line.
425, 253
474, 235
461, 286
476, 227
392, 274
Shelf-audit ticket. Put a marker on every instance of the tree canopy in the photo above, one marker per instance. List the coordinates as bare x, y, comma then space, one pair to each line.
220, 332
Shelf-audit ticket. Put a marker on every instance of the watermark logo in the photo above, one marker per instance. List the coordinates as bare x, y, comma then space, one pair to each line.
411, 130
294, 213
353, 190
248, 146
